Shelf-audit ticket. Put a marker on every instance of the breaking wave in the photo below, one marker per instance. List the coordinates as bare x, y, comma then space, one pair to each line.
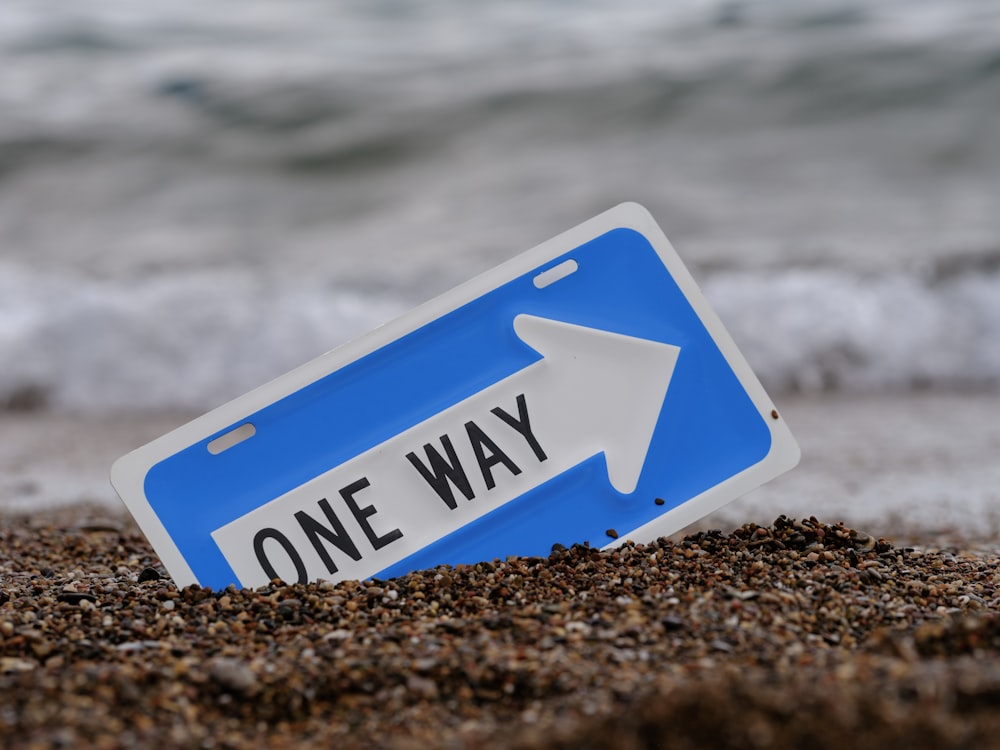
193, 342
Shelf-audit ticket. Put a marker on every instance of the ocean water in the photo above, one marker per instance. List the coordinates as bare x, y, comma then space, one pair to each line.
196, 197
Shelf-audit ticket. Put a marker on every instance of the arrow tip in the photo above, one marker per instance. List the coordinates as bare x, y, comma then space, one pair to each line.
615, 385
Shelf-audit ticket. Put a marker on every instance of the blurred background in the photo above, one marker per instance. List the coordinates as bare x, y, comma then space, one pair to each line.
196, 197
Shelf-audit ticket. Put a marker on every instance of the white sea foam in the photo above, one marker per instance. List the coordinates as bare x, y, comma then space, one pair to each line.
814, 329
187, 342
194, 341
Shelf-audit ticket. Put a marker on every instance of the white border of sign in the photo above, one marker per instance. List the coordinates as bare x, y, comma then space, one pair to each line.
128, 474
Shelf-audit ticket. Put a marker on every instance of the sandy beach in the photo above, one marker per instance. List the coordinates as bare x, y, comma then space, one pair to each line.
796, 634
748, 632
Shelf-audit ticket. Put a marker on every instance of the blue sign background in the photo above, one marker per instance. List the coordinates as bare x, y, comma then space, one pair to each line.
708, 429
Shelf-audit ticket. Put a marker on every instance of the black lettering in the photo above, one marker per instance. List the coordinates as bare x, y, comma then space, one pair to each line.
478, 439
363, 514
442, 471
258, 548
337, 536
522, 425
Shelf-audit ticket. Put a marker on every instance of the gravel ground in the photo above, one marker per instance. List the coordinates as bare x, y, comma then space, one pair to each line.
797, 634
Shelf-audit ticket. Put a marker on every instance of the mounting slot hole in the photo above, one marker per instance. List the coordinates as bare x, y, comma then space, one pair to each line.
234, 437
554, 274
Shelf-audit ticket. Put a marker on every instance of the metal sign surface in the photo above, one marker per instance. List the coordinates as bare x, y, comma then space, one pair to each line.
582, 392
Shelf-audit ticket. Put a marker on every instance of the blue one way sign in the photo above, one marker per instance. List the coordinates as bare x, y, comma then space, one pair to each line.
582, 392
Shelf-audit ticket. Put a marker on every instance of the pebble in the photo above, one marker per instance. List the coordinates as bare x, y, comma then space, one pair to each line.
232, 674
101, 523
149, 574
799, 633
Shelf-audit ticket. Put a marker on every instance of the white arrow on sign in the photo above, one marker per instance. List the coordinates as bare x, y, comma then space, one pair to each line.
593, 391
